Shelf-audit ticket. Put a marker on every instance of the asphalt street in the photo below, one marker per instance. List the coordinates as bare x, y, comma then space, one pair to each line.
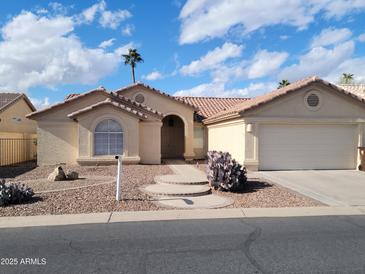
249, 245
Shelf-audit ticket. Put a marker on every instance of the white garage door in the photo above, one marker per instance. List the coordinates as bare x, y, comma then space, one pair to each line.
307, 147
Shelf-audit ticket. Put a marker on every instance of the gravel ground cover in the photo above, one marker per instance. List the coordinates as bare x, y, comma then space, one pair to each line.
43, 185
262, 194
99, 198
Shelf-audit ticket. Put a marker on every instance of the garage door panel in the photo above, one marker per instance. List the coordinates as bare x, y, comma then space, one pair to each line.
307, 147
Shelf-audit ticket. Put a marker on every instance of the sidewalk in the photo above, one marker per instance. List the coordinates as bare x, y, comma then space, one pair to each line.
164, 215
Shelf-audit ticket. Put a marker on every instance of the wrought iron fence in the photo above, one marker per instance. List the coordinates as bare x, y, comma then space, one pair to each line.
15, 151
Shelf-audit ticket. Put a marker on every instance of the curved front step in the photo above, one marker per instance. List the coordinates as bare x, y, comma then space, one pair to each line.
200, 202
176, 190
180, 180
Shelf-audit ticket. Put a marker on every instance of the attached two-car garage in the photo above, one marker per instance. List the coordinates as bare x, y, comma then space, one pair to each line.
285, 147
310, 124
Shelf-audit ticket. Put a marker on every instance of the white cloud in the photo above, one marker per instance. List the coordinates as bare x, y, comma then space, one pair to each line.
107, 18
124, 49
58, 8
107, 43
284, 37
361, 37
88, 15
112, 20
266, 63
331, 36
319, 61
154, 75
206, 19
40, 103
339, 8
218, 89
40, 50
355, 66
202, 19
127, 30
212, 59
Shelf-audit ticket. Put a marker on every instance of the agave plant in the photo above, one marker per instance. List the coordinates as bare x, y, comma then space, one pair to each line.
224, 172
14, 193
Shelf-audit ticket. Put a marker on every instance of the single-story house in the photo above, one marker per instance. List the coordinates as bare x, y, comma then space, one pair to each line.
13, 109
310, 124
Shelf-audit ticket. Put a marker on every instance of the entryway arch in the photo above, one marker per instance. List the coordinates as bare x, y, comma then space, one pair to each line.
172, 137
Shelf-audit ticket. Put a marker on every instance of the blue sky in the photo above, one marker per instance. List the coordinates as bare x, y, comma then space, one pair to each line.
194, 47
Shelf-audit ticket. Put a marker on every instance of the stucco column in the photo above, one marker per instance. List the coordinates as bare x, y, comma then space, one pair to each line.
251, 146
150, 142
189, 139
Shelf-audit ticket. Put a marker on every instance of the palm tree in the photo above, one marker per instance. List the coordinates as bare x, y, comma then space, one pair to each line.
132, 58
283, 83
347, 78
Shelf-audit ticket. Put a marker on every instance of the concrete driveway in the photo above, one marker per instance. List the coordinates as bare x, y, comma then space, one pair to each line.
331, 187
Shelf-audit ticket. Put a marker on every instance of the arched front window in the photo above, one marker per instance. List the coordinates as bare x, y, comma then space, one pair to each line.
108, 138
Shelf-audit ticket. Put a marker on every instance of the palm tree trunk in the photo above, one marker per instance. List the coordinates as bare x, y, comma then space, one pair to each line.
134, 80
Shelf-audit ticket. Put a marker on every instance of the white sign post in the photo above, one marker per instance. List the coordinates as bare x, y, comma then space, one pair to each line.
119, 178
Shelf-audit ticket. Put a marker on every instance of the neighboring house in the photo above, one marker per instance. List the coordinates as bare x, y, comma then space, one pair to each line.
13, 123
310, 124
17, 133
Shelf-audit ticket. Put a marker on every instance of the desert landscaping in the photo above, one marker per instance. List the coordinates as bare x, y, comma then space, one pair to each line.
94, 191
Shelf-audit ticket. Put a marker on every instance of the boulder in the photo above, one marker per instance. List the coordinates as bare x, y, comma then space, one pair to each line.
72, 175
57, 175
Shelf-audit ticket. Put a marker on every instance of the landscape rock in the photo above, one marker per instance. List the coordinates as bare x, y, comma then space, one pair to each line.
57, 175
72, 175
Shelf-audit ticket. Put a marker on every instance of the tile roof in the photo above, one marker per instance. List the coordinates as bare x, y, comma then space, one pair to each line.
356, 89
155, 90
133, 103
6, 98
9, 98
238, 109
109, 102
71, 95
208, 106
71, 99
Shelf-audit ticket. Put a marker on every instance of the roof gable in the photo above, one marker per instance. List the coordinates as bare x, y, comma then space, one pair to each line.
159, 92
7, 99
66, 102
111, 103
258, 101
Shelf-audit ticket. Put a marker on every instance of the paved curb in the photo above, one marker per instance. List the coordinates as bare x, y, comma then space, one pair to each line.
165, 215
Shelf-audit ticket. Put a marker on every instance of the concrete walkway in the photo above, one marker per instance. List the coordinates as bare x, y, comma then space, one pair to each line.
164, 215
187, 189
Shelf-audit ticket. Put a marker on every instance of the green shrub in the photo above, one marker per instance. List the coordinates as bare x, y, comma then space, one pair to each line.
14, 193
224, 172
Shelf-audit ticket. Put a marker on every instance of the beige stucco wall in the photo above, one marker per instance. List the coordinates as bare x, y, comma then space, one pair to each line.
150, 142
168, 107
57, 143
18, 110
86, 126
228, 137
58, 134
200, 140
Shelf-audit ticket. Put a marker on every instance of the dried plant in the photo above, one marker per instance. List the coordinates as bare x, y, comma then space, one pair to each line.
224, 172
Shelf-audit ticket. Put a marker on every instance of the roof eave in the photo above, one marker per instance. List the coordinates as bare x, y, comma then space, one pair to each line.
160, 92
218, 119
